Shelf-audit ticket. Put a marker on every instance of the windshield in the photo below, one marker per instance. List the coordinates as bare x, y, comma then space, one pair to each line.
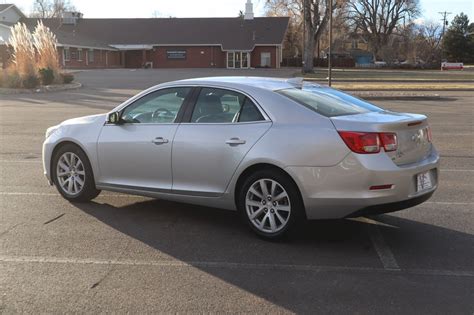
328, 102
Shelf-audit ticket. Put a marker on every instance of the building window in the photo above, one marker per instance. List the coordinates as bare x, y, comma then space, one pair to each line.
79, 54
67, 54
245, 60
90, 55
230, 60
265, 60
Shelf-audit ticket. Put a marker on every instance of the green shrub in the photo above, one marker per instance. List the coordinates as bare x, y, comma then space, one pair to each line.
12, 80
67, 77
30, 81
46, 76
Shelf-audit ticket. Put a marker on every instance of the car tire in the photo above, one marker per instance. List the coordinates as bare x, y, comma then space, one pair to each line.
72, 174
281, 209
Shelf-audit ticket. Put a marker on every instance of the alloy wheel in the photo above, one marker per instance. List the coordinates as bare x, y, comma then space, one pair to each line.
70, 173
268, 205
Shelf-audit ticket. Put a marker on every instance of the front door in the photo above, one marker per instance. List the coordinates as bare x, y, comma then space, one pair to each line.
237, 60
209, 147
137, 153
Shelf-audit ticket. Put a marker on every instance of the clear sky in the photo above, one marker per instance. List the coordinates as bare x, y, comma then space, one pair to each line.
218, 8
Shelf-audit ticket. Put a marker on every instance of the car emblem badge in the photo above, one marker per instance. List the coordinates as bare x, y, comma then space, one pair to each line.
417, 138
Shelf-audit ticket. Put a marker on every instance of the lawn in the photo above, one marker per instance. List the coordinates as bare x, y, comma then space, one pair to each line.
391, 75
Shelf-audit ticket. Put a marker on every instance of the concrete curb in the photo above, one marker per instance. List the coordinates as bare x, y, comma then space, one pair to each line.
42, 89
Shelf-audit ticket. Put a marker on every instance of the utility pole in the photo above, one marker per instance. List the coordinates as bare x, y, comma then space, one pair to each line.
304, 37
330, 44
445, 16
445, 21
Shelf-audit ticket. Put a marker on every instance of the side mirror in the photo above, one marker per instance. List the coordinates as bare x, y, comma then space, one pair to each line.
114, 118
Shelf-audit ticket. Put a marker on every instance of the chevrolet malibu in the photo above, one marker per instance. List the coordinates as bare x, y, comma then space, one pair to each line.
278, 151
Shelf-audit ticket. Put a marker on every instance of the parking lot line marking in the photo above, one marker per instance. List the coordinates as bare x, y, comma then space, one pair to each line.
20, 161
448, 203
229, 265
455, 170
383, 250
15, 193
7, 193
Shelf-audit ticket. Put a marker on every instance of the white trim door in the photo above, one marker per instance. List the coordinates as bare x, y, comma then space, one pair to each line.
238, 60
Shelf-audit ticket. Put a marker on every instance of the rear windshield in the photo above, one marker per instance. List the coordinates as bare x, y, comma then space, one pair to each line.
328, 102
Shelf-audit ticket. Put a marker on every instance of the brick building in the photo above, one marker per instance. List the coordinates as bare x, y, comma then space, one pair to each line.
241, 42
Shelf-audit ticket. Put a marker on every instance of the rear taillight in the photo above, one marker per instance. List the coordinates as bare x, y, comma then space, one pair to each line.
389, 141
369, 142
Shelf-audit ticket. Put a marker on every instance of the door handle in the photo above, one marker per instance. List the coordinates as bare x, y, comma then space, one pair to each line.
235, 141
159, 140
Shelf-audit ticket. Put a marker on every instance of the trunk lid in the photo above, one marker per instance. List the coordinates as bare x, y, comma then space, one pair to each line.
411, 131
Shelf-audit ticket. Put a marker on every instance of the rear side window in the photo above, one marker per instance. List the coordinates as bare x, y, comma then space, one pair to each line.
249, 112
329, 102
216, 105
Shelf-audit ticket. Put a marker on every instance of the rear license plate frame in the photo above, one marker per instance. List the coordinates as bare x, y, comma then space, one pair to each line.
424, 181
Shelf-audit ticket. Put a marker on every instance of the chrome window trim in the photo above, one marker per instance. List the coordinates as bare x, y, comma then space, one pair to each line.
129, 102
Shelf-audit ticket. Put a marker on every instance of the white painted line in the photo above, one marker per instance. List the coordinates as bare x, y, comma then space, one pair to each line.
16, 193
7, 193
455, 170
225, 264
448, 203
383, 250
20, 161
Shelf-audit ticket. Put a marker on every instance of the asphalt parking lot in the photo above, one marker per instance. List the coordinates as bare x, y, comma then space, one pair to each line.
124, 253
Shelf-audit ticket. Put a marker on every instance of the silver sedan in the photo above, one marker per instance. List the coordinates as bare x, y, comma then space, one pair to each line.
278, 151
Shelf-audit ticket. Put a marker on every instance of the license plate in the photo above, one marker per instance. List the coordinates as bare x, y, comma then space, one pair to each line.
423, 181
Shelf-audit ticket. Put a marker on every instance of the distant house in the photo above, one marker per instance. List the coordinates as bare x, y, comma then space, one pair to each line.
240, 42
352, 46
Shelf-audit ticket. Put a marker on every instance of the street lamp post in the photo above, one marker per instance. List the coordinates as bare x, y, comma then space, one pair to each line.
330, 44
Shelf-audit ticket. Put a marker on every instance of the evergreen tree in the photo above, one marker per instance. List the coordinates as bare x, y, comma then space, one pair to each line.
458, 44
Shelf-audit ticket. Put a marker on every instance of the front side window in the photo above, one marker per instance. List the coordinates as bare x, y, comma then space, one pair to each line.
157, 107
328, 102
224, 106
79, 54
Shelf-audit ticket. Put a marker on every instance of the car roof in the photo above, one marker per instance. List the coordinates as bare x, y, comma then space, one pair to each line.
267, 83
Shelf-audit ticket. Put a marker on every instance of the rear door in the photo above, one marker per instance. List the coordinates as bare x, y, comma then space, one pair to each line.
221, 128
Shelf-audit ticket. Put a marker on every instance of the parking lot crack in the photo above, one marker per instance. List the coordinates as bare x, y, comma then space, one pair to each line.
54, 219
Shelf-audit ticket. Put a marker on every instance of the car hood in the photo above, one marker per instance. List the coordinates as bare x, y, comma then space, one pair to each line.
84, 120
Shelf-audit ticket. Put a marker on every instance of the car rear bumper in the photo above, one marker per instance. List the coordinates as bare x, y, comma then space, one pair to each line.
343, 190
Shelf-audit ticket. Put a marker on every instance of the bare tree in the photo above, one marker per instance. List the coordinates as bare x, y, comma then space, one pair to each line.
293, 9
316, 18
428, 42
379, 19
312, 14
51, 8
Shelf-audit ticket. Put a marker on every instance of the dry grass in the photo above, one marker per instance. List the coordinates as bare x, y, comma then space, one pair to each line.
23, 57
45, 43
31, 52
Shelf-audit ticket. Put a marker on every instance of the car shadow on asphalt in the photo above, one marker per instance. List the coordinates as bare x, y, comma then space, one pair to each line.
201, 236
